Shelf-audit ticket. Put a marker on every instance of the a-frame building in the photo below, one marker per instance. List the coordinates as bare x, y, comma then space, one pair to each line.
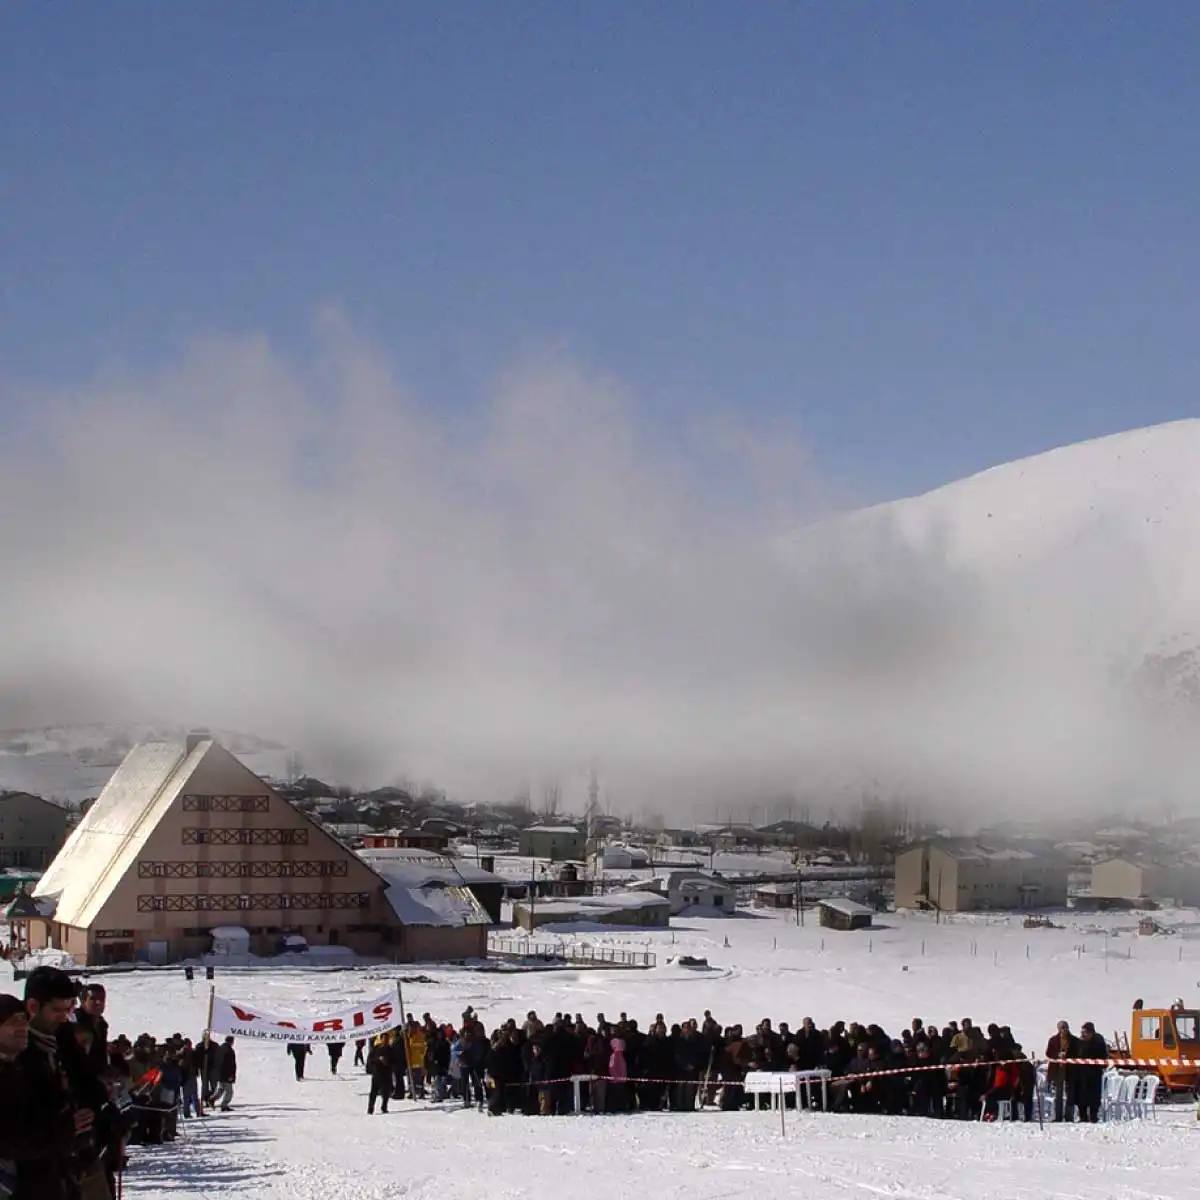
185, 839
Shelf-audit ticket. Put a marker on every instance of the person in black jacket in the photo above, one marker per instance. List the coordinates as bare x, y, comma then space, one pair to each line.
335, 1055
299, 1052
379, 1067
226, 1075
91, 1018
69, 1152
474, 1051
1089, 1079
35, 1145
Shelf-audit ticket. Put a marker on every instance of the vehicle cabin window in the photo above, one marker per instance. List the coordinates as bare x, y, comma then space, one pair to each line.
1151, 1029
1186, 1026
1168, 1036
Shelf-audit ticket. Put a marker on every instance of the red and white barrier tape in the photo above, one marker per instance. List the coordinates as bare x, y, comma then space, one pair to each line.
715, 1082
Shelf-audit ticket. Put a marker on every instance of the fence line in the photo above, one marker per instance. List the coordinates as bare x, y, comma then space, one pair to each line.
607, 956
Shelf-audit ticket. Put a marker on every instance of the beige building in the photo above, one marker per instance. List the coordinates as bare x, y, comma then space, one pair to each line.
184, 839
967, 876
1147, 879
643, 909
32, 830
558, 843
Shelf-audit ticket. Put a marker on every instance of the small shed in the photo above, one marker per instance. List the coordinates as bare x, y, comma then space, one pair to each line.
775, 895
644, 909
845, 914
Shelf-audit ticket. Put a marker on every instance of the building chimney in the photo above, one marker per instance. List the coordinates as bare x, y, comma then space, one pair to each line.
194, 739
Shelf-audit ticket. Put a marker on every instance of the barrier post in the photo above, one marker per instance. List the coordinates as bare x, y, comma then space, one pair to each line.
412, 1087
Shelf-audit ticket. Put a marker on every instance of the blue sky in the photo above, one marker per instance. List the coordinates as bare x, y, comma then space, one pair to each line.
934, 236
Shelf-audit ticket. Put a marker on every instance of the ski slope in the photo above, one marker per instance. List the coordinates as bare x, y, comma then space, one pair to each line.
314, 1139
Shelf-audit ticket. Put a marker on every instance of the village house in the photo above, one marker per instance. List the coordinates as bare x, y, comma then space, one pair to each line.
693, 890
1147, 879
966, 876
184, 839
407, 839
558, 843
617, 857
32, 830
775, 895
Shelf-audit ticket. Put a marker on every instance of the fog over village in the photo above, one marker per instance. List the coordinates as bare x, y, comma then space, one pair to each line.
497, 603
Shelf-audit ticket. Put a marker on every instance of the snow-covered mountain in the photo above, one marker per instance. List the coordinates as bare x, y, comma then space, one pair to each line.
1103, 534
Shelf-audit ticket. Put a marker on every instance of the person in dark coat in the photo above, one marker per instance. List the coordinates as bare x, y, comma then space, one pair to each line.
1089, 1079
36, 1140
226, 1075
91, 1018
474, 1051
299, 1052
1059, 1074
335, 1055
398, 1056
69, 1152
504, 1068
379, 1067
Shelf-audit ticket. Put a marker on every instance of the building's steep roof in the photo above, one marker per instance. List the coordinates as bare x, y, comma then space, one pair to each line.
416, 868
435, 904
106, 843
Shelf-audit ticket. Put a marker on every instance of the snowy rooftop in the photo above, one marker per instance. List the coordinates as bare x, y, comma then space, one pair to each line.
435, 904
106, 843
848, 908
551, 829
419, 867
606, 903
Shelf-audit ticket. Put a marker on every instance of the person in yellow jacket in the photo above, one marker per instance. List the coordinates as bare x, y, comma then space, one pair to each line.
414, 1037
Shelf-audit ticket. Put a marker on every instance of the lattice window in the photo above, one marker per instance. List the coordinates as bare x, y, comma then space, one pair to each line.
193, 836
316, 869
243, 804
339, 901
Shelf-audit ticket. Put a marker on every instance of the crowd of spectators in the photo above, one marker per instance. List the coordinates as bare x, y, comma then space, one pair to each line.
956, 1072
72, 1100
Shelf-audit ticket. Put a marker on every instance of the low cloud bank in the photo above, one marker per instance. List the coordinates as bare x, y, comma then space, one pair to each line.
520, 589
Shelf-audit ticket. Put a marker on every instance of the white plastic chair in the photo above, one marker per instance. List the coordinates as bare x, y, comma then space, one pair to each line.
1144, 1096
1110, 1095
1127, 1098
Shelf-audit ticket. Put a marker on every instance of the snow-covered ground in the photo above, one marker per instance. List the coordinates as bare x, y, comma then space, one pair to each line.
314, 1139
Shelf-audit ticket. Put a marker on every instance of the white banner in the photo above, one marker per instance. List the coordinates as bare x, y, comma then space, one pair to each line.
365, 1019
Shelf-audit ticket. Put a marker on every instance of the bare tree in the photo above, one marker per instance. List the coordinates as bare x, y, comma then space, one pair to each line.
551, 798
